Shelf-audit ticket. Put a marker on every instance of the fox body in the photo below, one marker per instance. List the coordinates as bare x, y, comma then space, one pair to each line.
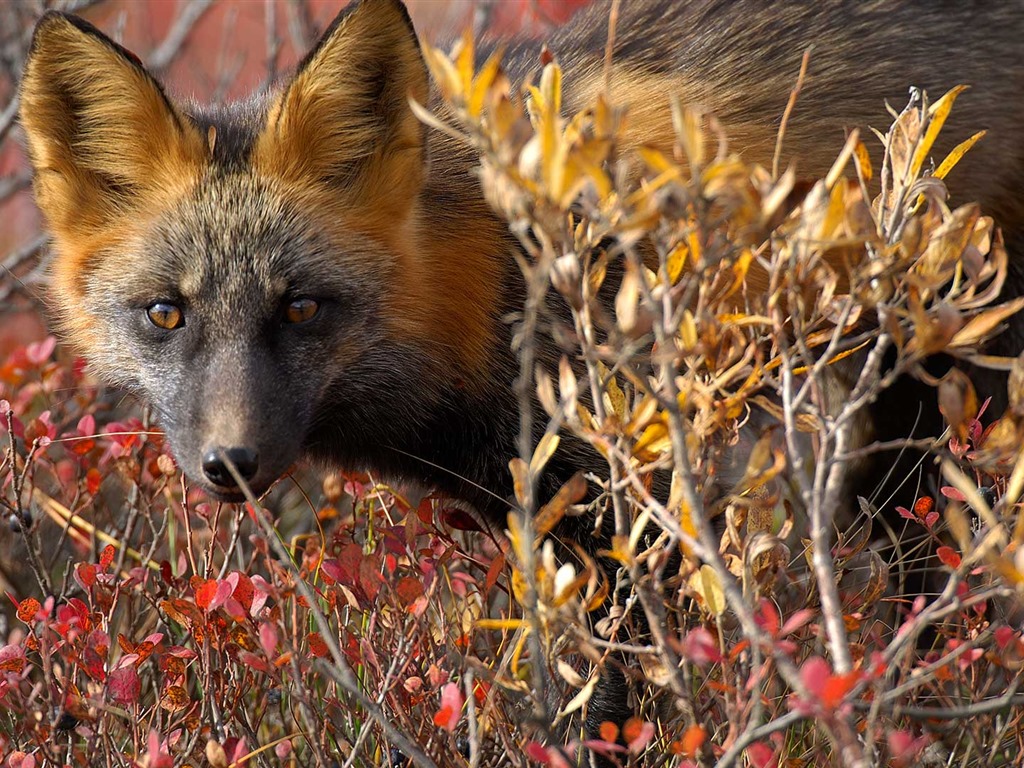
313, 273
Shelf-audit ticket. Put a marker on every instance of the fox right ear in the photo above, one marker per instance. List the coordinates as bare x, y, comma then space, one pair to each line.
343, 124
102, 134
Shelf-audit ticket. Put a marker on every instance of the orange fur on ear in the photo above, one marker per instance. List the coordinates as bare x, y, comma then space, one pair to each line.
102, 135
342, 128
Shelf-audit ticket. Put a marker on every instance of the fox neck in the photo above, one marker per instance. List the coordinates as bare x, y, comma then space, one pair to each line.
451, 423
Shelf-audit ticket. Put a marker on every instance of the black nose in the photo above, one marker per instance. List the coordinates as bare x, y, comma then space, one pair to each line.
246, 461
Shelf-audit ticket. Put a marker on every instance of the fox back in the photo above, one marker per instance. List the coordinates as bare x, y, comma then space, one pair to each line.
313, 273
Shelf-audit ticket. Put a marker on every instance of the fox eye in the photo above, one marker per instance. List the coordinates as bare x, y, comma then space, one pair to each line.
301, 310
166, 316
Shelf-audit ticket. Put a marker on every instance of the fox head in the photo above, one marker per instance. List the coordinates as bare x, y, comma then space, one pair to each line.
250, 271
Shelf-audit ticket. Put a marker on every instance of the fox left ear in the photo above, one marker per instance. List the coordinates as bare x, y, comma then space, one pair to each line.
101, 133
344, 120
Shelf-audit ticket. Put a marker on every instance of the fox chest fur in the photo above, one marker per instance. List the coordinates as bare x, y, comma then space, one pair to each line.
314, 273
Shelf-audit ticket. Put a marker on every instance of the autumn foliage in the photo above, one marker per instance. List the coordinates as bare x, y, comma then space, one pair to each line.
764, 614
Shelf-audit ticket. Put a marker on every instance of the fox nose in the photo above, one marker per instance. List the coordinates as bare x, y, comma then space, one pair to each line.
246, 461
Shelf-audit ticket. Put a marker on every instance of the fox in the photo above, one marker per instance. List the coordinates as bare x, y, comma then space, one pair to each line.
312, 273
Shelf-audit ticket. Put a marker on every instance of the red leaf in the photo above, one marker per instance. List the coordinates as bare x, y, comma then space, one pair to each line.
904, 748
123, 685
639, 737
250, 659
459, 519
451, 707
107, 556
767, 617
906, 513
1003, 635
268, 638
157, 756
244, 590
814, 673
408, 590
761, 755
797, 620
369, 576
699, 647
12, 658
609, 731
631, 729
93, 478
836, 688
21, 760
28, 609
85, 575
332, 571
317, 646
493, 572
536, 752
224, 589
39, 352
952, 493
205, 591
949, 557
693, 739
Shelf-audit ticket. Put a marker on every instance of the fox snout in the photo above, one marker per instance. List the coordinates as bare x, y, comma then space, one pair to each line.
218, 463
237, 419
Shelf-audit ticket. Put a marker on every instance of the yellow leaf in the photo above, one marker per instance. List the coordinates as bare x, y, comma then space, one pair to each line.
551, 87
937, 113
653, 442
628, 299
643, 414
834, 214
711, 590
580, 698
639, 528
957, 152
520, 480
657, 161
688, 330
544, 450
520, 586
836, 171
619, 551
551, 513
675, 261
482, 83
570, 675
696, 253
569, 589
982, 325
778, 194
443, 71
689, 127
740, 268
517, 652
863, 160
463, 55
614, 397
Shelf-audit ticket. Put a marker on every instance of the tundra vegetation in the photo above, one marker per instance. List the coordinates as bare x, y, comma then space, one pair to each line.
767, 614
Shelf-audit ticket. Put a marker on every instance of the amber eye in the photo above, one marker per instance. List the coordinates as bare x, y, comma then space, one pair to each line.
301, 310
166, 316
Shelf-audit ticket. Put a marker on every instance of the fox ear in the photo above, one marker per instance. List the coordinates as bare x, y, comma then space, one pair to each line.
343, 124
101, 132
